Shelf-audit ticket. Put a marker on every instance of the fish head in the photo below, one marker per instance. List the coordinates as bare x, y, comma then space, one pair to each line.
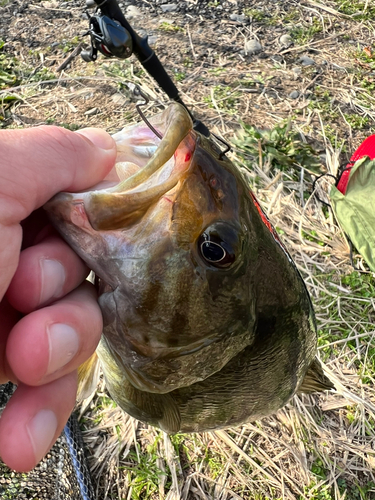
180, 252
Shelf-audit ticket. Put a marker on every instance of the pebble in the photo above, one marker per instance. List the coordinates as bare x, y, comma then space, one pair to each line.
306, 61
294, 94
169, 7
92, 111
163, 20
118, 99
239, 18
296, 72
152, 39
252, 47
132, 11
286, 40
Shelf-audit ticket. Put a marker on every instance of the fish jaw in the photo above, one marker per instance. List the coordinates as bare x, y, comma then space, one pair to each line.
153, 166
146, 168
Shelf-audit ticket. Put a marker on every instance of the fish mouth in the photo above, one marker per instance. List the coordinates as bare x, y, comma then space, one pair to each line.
146, 168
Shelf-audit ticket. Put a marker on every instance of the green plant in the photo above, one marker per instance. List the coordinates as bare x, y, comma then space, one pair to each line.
360, 10
179, 76
281, 147
8, 65
225, 98
144, 474
357, 121
168, 27
303, 35
255, 14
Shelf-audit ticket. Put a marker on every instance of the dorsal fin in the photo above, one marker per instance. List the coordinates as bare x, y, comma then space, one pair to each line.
315, 380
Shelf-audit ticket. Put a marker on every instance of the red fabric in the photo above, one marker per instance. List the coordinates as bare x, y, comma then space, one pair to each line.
367, 148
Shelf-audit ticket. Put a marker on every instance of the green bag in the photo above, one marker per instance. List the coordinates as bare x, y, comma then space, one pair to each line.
355, 210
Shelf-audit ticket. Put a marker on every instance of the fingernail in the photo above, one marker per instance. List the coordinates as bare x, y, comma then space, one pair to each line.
63, 346
42, 430
53, 279
98, 137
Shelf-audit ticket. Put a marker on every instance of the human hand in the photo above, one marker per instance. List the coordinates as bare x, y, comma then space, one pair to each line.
50, 321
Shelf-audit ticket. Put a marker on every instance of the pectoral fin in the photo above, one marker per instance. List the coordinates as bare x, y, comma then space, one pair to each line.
88, 377
315, 380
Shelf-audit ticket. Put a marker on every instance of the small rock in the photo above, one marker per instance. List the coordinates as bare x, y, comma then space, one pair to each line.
118, 99
286, 40
277, 58
165, 20
294, 94
239, 18
132, 12
169, 7
92, 111
50, 5
297, 71
306, 61
152, 39
252, 47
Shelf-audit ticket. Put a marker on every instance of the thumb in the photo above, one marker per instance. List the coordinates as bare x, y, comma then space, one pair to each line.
39, 162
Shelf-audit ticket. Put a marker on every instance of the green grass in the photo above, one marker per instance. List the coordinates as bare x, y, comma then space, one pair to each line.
356, 8
143, 472
170, 28
281, 147
225, 98
305, 34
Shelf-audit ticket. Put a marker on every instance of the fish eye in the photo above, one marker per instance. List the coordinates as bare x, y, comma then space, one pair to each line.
217, 245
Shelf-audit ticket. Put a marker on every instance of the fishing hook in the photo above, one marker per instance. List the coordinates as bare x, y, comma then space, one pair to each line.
138, 92
227, 146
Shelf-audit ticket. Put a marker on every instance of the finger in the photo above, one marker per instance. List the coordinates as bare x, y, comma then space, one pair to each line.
40, 162
55, 340
36, 228
8, 318
45, 272
33, 420
37, 163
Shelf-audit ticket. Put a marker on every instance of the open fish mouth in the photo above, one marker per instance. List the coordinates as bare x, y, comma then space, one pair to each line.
146, 168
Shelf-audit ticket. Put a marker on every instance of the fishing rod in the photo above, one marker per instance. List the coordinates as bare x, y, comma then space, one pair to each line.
112, 35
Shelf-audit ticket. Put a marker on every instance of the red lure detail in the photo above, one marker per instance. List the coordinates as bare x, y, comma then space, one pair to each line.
187, 157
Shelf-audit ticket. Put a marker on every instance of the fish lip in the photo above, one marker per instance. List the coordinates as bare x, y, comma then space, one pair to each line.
120, 202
